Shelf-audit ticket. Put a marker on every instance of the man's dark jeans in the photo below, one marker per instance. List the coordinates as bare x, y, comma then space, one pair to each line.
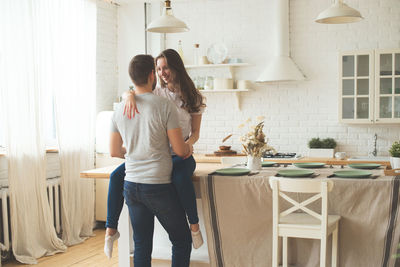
161, 200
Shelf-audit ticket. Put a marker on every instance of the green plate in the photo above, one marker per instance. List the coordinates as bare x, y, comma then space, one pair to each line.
352, 174
368, 166
295, 173
309, 164
233, 171
267, 163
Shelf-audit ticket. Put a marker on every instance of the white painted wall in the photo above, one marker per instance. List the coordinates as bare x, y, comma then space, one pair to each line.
107, 75
131, 40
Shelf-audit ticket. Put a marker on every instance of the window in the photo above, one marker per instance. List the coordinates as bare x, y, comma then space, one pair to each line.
49, 126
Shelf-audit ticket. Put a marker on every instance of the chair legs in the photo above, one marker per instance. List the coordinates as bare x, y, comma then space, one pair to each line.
334, 247
275, 253
284, 251
322, 255
275, 249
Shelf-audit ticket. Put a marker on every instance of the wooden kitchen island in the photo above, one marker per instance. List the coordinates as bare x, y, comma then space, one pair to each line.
238, 218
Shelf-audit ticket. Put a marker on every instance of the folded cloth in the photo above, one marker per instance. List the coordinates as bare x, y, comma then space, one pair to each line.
197, 239
108, 244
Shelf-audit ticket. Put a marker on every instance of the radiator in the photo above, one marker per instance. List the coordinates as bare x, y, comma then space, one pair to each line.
53, 194
5, 237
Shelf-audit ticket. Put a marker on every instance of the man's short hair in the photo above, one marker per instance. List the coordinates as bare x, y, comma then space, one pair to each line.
140, 68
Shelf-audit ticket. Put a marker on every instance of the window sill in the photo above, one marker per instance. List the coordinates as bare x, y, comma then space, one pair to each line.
48, 150
52, 150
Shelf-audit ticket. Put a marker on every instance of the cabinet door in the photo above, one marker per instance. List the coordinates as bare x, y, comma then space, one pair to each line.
387, 86
356, 81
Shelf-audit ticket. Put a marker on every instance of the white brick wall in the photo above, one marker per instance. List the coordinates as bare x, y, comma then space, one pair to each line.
295, 111
107, 79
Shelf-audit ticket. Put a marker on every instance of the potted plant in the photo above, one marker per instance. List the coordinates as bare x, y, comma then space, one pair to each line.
395, 155
324, 148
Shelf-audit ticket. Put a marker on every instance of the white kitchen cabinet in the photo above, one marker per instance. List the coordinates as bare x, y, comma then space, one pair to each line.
369, 86
231, 67
387, 86
356, 83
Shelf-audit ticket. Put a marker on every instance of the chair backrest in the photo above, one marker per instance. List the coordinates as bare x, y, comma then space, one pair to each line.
318, 187
233, 160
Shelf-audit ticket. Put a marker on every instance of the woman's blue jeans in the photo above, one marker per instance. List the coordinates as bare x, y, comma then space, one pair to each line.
182, 172
161, 200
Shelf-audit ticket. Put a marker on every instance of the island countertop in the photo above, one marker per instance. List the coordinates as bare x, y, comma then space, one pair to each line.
202, 169
208, 164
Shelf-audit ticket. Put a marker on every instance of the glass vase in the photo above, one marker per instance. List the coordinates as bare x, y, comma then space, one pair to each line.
253, 163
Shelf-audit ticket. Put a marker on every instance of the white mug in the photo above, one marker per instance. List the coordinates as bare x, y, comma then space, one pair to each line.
340, 155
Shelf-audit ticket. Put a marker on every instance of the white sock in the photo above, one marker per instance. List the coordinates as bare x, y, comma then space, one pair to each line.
108, 244
197, 239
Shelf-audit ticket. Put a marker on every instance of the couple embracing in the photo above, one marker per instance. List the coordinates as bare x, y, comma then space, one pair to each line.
154, 131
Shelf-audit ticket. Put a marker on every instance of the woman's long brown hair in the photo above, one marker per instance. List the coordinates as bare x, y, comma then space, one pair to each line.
191, 98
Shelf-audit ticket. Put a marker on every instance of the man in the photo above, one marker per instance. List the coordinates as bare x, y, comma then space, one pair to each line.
148, 190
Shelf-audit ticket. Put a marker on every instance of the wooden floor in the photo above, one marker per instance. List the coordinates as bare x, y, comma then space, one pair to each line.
89, 254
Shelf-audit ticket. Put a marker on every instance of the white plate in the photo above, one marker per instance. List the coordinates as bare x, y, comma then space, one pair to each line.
217, 53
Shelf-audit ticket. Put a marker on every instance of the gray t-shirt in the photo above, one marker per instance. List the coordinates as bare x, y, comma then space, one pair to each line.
148, 157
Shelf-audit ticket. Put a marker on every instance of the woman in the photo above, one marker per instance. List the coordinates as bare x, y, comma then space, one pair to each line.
175, 85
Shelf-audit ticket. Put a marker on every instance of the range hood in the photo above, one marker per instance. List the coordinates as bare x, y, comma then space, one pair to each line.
281, 67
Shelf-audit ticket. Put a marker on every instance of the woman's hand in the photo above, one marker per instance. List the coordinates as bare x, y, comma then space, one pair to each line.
190, 151
130, 107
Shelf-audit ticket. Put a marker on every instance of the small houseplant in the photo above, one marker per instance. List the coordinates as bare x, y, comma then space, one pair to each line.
395, 155
324, 148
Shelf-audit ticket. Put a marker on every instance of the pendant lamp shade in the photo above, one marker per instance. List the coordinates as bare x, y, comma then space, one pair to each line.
339, 13
167, 23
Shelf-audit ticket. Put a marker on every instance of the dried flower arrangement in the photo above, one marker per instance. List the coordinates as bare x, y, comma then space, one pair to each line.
254, 142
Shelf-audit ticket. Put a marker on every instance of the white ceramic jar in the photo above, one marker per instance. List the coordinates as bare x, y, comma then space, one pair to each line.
223, 83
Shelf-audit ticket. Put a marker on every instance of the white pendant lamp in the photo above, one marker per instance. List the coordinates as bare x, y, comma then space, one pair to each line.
167, 23
339, 13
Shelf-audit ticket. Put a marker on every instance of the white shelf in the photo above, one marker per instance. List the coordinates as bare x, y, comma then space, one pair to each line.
224, 91
227, 90
235, 91
217, 65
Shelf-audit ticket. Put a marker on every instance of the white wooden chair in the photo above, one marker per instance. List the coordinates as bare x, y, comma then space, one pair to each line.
228, 161
305, 224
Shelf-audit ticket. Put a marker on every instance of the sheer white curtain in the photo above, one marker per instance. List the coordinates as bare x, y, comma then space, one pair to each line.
75, 78
47, 48
24, 85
